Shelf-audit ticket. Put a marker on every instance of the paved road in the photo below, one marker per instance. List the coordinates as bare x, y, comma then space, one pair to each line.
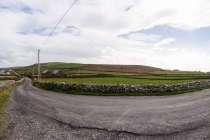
179, 115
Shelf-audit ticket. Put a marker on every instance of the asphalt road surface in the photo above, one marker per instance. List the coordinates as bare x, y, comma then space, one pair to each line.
185, 116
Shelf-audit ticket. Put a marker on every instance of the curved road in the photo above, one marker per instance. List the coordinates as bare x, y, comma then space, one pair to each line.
146, 116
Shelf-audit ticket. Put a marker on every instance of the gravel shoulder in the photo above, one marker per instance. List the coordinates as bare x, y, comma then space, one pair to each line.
38, 114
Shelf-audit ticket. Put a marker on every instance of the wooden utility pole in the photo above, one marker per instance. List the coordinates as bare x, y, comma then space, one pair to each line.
38, 66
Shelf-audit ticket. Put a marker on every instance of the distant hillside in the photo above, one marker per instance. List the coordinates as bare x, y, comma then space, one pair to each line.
30, 66
46, 65
90, 67
120, 68
36, 65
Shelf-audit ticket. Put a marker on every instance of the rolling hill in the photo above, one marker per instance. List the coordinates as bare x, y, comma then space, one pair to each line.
90, 67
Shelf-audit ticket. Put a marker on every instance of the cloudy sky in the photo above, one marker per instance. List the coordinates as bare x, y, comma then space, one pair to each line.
167, 34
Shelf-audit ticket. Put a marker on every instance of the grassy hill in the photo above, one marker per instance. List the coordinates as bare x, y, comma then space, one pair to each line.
120, 68
71, 68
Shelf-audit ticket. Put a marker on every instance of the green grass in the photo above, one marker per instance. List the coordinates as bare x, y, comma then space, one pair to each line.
4, 97
58, 65
115, 80
8, 76
172, 77
5, 78
97, 72
177, 72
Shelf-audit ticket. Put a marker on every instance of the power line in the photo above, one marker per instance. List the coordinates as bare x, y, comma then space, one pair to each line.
49, 37
58, 23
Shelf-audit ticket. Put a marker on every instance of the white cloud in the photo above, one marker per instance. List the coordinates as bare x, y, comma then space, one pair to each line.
97, 27
144, 37
165, 41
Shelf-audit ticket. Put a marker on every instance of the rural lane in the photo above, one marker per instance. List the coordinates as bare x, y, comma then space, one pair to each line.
178, 115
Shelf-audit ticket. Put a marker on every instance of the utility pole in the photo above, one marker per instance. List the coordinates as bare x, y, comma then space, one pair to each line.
38, 66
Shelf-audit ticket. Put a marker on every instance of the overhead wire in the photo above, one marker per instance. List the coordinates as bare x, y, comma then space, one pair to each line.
58, 24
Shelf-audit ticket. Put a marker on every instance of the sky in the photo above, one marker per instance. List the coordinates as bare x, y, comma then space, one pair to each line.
166, 34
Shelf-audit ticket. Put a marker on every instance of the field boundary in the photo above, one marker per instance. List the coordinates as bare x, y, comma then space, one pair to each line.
121, 89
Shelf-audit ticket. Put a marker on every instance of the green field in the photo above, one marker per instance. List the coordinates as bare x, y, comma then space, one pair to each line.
177, 72
172, 77
107, 77
97, 72
5, 78
59, 65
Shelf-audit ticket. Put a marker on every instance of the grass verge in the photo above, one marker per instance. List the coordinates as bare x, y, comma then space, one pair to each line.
122, 94
4, 97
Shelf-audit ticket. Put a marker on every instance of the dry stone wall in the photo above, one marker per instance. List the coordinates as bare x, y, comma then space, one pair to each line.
120, 88
8, 83
20, 81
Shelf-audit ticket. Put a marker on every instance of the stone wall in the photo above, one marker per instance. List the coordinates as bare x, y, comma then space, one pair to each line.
20, 81
8, 83
120, 88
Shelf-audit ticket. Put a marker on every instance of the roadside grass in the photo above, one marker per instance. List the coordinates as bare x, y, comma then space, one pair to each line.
115, 80
122, 94
4, 97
